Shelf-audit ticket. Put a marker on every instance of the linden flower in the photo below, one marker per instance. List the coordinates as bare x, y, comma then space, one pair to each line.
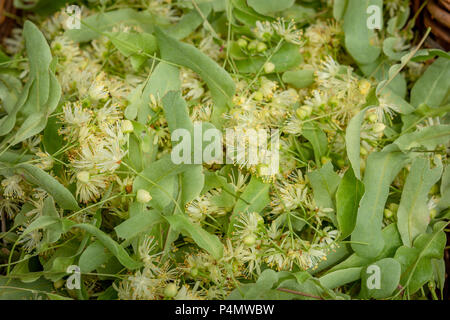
45, 160
12, 188
203, 206
10, 206
67, 50
185, 293
328, 237
252, 258
75, 118
263, 30
384, 109
249, 224
285, 98
288, 31
292, 194
38, 209
329, 69
192, 88
90, 187
163, 8
108, 114
31, 240
98, 90
144, 285
104, 156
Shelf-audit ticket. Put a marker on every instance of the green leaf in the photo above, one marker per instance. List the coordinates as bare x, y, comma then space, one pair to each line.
324, 182
427, 54
219, 82
62, 196
10, 88
163, 79
51, 139
317, 138
265, 282
176, 112
353, 142
439, 272
358, 37
388, 270
392, 242
138, 224
94, 25
340, 277
287, 57
158, 178
14, 289
177, 115
334, 257
381, 169
389, 45
413, 213
94, 256
42, 92
246, 14
428, 138
445, 188
42, 7
416, 261
135, 153
202, 238
270, 6
192, 182
137, 46
189, 22
52, 233
41, 223
39, 57
119, 252
299, 78
433, 86
339, 7
254, 198
348, 196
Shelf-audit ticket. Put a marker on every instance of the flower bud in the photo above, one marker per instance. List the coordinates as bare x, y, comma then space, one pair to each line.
258, 96
388, 213
364, 87
379, 127
83, 176
194, 272
261, 47
252, 45
143, 196
304, 112
242, 43
363, 151
269, 67
324, 160
393, 207
170, 290
373, 118
249, 240
433, 213
127, 126
434, 189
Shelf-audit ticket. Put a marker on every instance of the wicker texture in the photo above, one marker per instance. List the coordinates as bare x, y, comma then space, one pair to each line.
435, 15
6, 23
